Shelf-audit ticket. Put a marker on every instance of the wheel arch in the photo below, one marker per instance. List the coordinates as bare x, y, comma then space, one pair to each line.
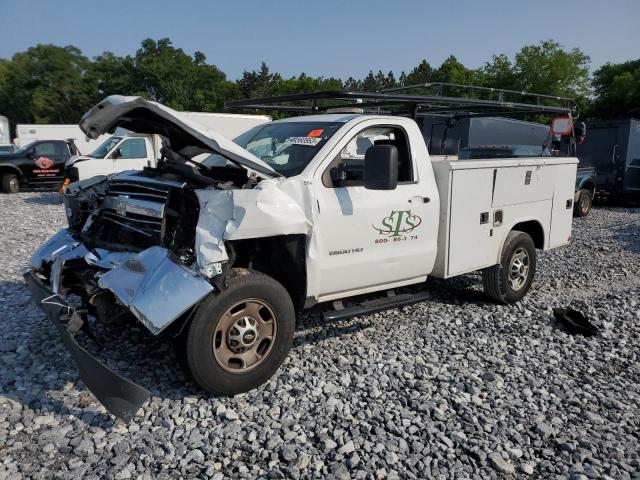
534, 229
7, 168
282, 257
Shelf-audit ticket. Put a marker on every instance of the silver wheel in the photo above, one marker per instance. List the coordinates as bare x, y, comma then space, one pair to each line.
519, 269
244, 336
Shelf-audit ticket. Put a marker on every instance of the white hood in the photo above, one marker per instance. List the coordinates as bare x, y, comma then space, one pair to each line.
142, 116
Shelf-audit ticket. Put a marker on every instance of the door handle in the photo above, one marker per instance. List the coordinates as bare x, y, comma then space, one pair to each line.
419, 199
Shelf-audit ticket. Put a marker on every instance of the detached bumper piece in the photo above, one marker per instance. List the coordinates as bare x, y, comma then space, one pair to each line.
121, 397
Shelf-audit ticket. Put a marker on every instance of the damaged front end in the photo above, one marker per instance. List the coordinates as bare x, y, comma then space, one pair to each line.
129, 247
151, 242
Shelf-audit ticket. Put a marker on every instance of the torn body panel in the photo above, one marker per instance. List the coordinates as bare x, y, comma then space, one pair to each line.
155, 289
273, 208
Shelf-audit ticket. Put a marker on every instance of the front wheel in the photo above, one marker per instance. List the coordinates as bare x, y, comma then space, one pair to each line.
10, 183
240, 336
510, 280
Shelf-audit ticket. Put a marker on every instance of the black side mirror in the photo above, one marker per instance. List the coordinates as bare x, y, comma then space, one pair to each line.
116, 154
381, 167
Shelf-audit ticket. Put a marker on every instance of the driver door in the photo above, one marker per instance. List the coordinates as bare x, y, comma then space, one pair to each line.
372, 239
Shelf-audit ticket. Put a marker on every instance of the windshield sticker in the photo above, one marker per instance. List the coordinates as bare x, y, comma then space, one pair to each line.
308, 141
316, 133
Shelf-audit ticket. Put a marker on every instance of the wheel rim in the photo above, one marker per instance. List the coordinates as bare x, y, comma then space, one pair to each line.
519, 269
13, 183
584, 204
245, 336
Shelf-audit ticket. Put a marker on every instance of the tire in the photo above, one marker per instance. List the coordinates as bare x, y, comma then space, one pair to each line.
498, 282
583, 206
10, 183
251, 307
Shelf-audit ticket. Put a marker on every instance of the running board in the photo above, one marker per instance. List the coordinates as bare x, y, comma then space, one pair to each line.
376, 305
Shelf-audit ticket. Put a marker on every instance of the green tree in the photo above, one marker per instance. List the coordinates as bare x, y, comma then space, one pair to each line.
166, 74
545, 68
452, 71
46, 84
113, 75
617, 90
423, 73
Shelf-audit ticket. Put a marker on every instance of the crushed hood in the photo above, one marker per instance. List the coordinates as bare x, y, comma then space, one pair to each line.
142, 116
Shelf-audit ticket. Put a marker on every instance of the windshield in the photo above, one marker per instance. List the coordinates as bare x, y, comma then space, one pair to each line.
287, 147
105, 148
22, 150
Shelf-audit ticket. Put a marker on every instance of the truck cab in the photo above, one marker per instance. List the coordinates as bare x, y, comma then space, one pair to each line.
117, 153
39, 164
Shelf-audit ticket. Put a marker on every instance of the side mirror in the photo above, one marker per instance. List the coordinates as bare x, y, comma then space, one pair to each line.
381, 167
116, 154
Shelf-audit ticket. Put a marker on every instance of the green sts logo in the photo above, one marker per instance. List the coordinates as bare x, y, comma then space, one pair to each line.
398, 223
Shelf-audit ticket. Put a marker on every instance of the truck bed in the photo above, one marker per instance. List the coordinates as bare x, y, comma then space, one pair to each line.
537, 190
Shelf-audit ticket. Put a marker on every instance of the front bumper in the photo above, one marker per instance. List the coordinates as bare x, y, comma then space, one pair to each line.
120, 396
150, 284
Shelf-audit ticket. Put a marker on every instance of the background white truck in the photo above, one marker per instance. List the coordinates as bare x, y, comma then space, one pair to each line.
28, 133
310, 209
134, 151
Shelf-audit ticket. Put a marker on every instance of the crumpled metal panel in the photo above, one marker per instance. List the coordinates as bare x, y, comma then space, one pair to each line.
154, 288
106, 259
216, 208
272, 208
61, 243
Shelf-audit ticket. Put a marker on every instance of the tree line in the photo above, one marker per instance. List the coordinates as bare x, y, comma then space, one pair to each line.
53, 84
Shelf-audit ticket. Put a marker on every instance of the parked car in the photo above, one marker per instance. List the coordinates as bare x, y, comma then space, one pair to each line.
297, 212
612, 148
37, 165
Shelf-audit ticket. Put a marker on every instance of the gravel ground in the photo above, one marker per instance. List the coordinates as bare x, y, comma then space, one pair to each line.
455, 387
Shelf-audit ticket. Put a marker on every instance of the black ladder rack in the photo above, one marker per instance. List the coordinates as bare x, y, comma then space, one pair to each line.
414, 105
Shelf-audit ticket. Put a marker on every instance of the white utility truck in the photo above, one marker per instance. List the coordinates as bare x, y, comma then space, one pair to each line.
224, 252
28, 133
134, 151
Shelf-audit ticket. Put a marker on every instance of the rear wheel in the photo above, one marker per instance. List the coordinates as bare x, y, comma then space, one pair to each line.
240, 336
509, 281
10, 183
583, 206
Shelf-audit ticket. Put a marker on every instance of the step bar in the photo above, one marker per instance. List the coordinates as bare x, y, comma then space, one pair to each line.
373, 306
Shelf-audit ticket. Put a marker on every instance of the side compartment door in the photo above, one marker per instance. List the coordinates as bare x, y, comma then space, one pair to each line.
367, 239
131, 154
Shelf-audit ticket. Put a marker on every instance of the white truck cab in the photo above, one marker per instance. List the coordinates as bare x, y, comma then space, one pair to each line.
135, 151
131, 151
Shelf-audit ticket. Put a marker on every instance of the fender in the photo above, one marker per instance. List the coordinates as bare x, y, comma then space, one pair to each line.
16, 169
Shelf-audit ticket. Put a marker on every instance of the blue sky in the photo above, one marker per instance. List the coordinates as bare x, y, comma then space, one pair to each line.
329, 38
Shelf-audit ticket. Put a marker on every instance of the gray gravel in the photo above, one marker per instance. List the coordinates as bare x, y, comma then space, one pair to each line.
450, 388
